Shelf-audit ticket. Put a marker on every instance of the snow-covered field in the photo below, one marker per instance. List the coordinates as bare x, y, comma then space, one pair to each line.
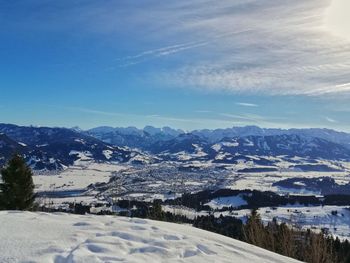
264, 181
234, 201
59, 238
158, 180
77, 177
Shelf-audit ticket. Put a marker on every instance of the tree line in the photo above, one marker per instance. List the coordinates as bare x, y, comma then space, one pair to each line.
304, 245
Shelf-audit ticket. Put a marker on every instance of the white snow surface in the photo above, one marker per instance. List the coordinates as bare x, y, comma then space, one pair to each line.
234, 201
77, 177
58, 238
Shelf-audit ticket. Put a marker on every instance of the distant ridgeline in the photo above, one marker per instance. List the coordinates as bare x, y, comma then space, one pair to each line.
47, 148
57, 148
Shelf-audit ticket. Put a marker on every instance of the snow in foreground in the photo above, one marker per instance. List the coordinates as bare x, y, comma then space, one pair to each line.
41, 237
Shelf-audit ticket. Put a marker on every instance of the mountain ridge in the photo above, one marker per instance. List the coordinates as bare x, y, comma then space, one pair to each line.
216, 135
57, 148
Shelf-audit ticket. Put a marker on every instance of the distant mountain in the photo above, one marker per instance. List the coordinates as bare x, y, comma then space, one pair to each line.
133, 137
8, 147
230, 150
56, 148
145, 138
288, 145
231, 145
188, 143
326, 134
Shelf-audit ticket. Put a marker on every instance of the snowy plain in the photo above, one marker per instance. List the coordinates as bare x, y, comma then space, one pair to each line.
60, 238
76, 177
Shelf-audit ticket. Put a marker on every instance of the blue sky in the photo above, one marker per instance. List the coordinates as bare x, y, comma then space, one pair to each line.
186, 64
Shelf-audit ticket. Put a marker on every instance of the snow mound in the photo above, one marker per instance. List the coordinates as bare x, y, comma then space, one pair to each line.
59, 238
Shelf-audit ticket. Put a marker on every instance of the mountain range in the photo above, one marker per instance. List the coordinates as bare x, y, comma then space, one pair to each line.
56, 148
142, 138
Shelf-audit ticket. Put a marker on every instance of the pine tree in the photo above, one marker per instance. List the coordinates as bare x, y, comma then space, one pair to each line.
286, 240
17, 187
157, 212
254, 231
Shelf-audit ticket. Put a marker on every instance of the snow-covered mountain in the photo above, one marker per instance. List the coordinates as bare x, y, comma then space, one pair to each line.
288, 145
8, 147
273, 145
146, 137
326, 134
41, 237
133, 137
56, 148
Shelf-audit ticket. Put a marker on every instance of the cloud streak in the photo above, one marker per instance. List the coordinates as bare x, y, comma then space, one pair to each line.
155, 53
331, 120
170, 50
245, 104
169, 119
283, 48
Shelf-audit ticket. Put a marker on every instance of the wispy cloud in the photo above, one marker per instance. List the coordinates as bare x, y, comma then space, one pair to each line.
170, 119
335, 89
250, 117
245, 104
331, 120
93, 111
272, 56
160, 52
173, 49
259, 120
273, 47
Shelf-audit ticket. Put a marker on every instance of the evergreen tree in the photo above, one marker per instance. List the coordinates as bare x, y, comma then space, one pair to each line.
254, 231
288, 240
156, 211
17, 187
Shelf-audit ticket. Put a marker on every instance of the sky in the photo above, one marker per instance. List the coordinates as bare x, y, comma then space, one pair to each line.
185, 64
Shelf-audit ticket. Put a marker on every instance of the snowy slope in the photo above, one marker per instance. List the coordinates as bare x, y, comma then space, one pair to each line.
55, 149
41, 237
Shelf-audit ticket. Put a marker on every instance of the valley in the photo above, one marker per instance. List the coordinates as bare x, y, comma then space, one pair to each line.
305, 176
101, 186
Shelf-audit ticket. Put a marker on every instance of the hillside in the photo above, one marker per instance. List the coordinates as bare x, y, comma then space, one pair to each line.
56, 149
41, 237
47, 148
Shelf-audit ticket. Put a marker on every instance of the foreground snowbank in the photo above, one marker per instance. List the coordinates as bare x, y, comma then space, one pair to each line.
58, 238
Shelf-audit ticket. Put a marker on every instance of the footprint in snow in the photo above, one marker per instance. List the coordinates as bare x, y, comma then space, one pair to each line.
171, 237
138, 228
206, 250
81, 224
190, 253
96, 248
138, 221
